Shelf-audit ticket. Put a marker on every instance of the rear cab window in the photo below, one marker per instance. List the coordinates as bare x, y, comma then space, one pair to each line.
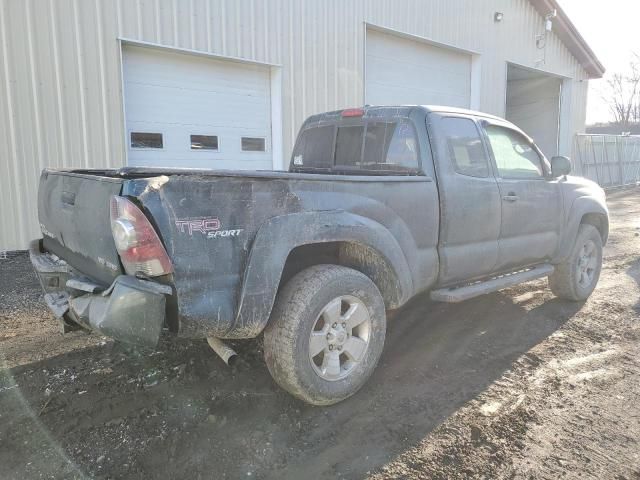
349, 145
314, 148
362, 146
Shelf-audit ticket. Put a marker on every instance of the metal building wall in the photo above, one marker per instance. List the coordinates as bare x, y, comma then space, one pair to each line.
60, 72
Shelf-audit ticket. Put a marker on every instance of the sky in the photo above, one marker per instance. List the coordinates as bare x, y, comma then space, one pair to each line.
612, 30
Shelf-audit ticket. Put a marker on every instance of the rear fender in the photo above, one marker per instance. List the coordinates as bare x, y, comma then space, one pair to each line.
277, 237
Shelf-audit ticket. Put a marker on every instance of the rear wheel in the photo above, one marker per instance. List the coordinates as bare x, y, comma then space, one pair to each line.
326, 334
577, 277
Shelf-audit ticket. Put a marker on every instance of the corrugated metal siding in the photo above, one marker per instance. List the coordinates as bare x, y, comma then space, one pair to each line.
60, 80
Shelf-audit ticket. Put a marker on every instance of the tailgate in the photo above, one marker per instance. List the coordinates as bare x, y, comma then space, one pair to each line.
73, 210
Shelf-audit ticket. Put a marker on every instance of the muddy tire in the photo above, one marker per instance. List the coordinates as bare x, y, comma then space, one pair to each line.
326, 334
578, 276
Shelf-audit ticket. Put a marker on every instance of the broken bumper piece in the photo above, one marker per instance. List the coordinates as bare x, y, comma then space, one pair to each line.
131, 310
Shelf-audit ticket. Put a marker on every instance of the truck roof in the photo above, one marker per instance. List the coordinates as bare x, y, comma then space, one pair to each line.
465, 111
395, 110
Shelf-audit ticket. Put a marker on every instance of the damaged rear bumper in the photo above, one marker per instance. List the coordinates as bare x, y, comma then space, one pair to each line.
131, 310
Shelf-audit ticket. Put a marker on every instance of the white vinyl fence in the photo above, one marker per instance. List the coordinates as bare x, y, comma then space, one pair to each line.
609, 160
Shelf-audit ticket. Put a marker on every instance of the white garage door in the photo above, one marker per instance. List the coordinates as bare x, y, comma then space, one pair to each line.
407, 72
189, 111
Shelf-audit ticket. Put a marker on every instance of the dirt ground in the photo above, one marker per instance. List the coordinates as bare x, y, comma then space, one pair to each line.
516, 384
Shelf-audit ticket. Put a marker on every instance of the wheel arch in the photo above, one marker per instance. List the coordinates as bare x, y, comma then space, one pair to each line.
351, 240
598, 220
352, 254
584, 210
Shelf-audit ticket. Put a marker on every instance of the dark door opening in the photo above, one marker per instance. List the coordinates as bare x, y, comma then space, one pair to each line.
533, 104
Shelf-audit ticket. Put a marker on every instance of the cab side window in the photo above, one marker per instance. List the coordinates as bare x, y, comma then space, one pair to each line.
515, 156
465, 147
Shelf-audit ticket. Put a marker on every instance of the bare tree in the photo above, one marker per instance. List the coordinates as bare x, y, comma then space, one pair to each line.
624, 94
635, 74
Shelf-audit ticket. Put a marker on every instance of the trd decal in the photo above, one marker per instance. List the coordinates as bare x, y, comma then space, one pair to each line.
202, 225
211, 227
224, 233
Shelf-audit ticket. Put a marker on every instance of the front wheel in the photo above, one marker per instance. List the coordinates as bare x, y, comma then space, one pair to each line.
326, 334
577, 277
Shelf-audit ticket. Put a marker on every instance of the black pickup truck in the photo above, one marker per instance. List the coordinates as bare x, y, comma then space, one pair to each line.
379, 205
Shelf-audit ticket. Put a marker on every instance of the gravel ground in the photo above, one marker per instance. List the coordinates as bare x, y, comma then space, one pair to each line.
516, 384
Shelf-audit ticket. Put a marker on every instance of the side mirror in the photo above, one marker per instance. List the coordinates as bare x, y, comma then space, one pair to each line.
560, 166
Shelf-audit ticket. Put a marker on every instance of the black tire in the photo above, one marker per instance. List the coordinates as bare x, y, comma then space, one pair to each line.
566, 281
297, 312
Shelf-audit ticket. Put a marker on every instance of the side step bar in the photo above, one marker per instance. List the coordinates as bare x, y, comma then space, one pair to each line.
465, 292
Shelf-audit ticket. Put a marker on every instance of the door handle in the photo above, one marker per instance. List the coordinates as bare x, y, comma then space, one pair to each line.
510, 197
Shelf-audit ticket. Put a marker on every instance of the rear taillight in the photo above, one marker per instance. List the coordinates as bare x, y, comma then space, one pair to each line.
353, 112
137, 242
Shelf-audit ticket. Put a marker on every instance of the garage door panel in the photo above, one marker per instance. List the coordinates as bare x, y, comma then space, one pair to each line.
177, 146
411, 96
220, 86
179, 95
148, 159
397, 70
185, 107
385, 46
414, 76
405, 71
160, 68
225, 133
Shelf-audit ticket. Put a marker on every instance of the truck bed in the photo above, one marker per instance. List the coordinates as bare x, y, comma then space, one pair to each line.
209, 222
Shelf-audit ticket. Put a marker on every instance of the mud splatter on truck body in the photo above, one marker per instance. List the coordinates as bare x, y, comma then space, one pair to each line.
235, 237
